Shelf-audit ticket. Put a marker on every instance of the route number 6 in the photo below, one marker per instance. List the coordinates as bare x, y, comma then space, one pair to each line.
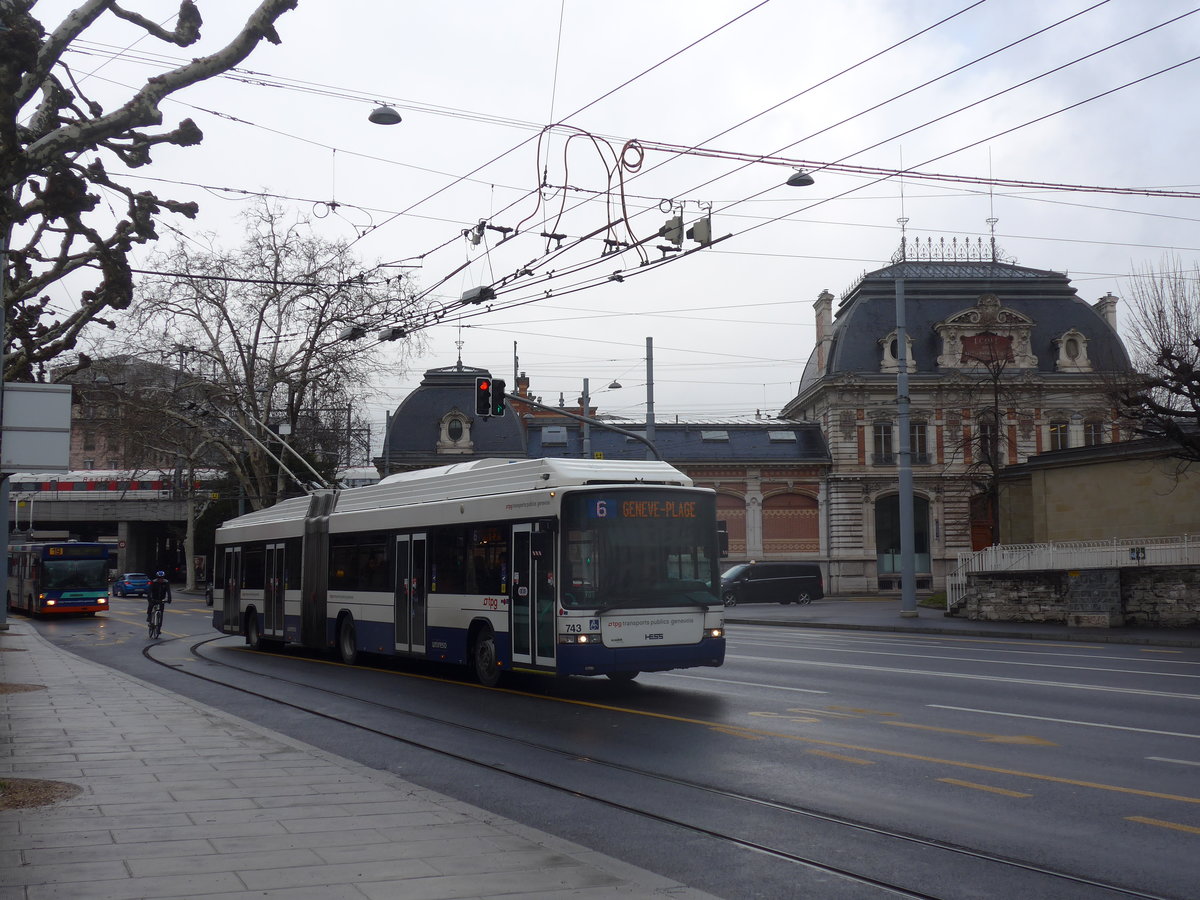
601, 509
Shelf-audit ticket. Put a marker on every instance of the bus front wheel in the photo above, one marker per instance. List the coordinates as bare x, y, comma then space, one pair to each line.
347, 641
484, 658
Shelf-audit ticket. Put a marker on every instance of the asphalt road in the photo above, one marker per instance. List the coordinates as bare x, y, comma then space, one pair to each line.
882, 754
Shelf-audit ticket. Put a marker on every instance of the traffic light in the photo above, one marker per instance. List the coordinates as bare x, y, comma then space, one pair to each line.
701, 231
489, 397
497, 397
673, 230
483, 396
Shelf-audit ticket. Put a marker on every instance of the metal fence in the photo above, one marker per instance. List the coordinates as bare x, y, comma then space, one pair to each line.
1179, 550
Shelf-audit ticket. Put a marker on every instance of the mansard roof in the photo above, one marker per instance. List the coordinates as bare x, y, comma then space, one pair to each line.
767, 441
415, 426
935, 291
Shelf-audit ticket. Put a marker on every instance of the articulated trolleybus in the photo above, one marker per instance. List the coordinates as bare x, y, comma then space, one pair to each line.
63, 577
576, 567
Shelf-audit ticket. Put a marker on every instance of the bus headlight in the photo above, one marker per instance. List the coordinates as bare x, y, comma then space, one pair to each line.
101, 600
716, 632
579, 638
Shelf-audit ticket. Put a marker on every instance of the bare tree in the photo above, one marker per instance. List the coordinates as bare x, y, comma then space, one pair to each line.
54, 143
985, 446
270, 335
1163, 334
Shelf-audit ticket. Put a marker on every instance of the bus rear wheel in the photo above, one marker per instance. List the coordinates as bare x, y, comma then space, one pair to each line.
484, 657
253, 635
347, 641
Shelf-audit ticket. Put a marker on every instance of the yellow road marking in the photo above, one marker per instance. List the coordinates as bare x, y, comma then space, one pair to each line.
843, 757
1146, 650
822, 712
865, 712
1190, 829
986, 736
803, 720
734, 731
747, 732
984, 787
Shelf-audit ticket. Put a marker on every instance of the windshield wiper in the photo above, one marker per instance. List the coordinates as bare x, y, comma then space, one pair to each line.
609, 607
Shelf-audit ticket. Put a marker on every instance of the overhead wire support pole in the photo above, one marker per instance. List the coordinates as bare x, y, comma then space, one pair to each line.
908, 577
587, 420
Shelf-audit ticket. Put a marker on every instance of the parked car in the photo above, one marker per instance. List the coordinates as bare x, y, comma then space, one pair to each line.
772, 582
132, 584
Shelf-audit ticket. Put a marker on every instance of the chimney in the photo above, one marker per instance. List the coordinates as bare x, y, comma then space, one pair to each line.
1107, 307
824, 311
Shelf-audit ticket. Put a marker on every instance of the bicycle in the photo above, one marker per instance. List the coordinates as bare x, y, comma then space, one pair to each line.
156, 619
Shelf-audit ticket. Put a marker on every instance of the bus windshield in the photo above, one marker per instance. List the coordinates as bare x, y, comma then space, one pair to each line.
639, 548
75, 575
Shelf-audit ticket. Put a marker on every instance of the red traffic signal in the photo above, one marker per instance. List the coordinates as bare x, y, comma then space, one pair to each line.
483, 396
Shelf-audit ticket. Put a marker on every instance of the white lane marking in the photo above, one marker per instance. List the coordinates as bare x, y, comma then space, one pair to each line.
992, 712
773, 687
819, 636
1182, 762
1008, 662
967, 677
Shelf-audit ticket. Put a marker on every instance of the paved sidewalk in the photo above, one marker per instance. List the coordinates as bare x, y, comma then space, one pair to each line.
181, 800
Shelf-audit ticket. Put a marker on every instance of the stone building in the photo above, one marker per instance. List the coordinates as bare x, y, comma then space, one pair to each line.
1003, 361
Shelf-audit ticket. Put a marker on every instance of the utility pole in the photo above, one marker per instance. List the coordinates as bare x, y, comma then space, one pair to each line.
650, 398
908, 571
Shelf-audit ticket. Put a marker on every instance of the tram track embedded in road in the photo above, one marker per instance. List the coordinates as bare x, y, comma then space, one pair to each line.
814, 815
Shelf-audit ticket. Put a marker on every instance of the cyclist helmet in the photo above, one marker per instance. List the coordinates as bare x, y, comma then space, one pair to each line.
160, 574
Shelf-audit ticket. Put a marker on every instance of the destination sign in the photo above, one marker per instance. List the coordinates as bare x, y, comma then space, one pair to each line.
608, 508
78, 551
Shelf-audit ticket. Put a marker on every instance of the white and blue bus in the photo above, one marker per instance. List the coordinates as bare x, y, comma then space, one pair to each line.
567, 566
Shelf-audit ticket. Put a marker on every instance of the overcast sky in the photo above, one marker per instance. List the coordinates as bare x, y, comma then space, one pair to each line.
732, 324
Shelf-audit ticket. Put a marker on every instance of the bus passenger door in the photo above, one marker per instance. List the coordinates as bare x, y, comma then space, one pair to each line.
545, 622
233, 590
520, 603
273, 591
533, 624
410, 590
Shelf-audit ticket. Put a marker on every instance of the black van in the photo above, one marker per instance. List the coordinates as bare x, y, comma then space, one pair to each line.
772, 582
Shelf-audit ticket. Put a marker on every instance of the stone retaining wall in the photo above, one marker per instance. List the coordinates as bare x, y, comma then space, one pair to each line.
1151, 596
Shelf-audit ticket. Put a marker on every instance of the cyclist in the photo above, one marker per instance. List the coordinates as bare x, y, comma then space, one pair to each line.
159, 592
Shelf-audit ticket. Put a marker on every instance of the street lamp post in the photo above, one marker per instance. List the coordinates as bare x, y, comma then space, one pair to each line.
587, 425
